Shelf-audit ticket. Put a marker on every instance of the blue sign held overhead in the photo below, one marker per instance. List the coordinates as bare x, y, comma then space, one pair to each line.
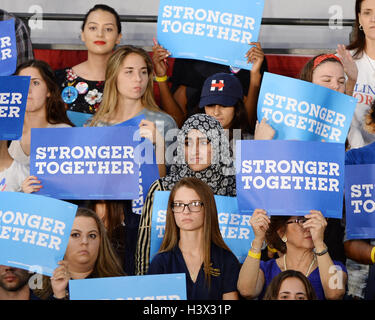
34, 231
290, 177
150, 287
217, 31
301, 110
85, 163
8, 48
13, 99
360, 201
234, 227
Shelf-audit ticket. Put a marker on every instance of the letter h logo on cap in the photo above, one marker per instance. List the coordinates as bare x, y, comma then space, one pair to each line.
217, 85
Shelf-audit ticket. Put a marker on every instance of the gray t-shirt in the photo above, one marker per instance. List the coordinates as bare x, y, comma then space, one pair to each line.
165, 125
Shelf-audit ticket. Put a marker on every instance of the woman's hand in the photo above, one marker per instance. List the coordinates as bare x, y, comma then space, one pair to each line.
31, 184
350, 67
159, 59
147, 129
255, 55
316, 223
259, 221
263, 131
60, 280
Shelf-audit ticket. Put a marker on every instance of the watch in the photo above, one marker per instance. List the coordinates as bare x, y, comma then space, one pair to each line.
320, 253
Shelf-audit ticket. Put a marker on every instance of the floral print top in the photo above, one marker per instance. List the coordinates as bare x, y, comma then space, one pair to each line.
79, 94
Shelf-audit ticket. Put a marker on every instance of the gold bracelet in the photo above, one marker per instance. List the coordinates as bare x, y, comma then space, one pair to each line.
254, 255
161, 79
373, 254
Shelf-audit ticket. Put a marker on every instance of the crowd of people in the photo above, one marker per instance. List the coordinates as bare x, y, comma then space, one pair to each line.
291, 257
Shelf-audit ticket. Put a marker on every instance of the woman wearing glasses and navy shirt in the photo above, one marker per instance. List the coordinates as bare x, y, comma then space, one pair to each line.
193, 244
300, 242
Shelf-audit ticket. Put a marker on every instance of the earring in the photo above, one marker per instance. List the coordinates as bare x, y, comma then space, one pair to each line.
284, 239
360, 27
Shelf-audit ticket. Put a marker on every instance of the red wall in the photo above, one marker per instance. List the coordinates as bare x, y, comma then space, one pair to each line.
287, 65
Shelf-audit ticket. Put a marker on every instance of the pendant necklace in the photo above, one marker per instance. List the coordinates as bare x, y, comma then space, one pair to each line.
308, 270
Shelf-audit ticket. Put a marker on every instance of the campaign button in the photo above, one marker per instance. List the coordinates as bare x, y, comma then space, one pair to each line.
69, 94
82, 87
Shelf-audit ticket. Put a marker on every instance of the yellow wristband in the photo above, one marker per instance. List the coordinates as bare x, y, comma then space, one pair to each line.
161, 79
254, 255
373, 254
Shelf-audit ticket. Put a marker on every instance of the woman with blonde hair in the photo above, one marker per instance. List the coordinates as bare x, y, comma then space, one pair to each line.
128, 93
193, 244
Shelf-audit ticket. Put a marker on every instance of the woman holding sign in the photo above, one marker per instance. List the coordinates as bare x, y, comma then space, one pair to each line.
362, 48
329, 71
128, 93
89, 254
82, 85
44, 108
202, 152
193, 244
189, 76
301, 243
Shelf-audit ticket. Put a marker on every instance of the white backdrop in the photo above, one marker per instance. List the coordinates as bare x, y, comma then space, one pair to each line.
142, 33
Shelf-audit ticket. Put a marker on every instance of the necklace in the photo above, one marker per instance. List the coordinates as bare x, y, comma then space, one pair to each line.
308, 270
370, 63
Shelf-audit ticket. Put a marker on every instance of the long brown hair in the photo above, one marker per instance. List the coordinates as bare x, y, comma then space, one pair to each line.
114, 213
278, 224
107, 263
211, 224
273, 289
110, 95
55, 106
358, 42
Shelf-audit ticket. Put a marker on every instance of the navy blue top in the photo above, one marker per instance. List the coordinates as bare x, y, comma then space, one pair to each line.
364, 155
224, 274
271, 269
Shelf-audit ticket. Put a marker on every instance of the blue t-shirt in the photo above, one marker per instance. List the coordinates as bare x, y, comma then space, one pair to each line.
224, 275
271, 269
364, 155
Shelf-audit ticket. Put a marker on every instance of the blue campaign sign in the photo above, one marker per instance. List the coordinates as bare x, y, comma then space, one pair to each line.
290, 177
217, 31
149, 287
360, 201
79, 119
34, 231
13, 99
148, 170
8, 47
301, 110
85, 163
234, 227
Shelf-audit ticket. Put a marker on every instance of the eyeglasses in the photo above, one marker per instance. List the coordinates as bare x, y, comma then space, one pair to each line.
193, 206
300, 221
